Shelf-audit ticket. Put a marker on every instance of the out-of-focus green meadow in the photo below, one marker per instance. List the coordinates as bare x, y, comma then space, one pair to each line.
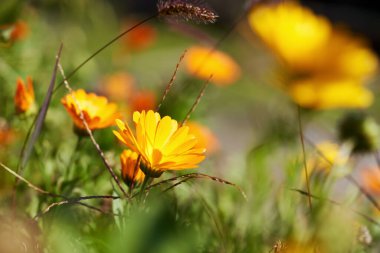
255, 197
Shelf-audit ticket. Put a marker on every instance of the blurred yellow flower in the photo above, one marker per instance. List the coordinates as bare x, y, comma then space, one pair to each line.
97, 111
326, 65
328, 155
206, 138
162, 144
130, 174
323, 93
24, 96
371, 180
117, 87
202, 63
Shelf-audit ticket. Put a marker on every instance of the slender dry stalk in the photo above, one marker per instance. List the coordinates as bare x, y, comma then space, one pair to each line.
304, 156
337, 204
19, 177
199, 97
188, 10
184, 178
78, 202
89, 132
352, 180
171, 82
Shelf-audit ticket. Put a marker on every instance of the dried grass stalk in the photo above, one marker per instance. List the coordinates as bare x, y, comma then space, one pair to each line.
188, 10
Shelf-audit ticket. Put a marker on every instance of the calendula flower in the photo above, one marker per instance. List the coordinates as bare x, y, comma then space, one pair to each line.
206, 138
24, 97
97, 111
327, 67
118, 86
143, 100
161, 142
371, 180
131, 173
202, 62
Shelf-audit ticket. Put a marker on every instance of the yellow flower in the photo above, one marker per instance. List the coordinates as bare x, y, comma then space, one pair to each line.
202, 63
24, 97
162, 144
328, 155
326, 65
294, 33
206, 138
323, 93
129, 173
97, 111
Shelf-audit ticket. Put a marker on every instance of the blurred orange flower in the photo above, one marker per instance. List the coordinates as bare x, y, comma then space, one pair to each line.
118, 86
14, 32
143, 100
371, 180
6, 133
24, 97
141, 37
206, 138
162, 144
97, 111
327, 66
129, 173
202, 62
20, 31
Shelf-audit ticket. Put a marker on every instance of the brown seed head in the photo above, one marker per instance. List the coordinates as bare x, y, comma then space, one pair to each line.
188, 10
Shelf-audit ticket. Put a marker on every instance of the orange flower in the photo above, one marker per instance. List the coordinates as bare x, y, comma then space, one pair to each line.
129, 174
162, 144
24, 97
202, 63
206, 138
140, 38
371, 180
20, 31
117, 87
14, 32
143, 100
6, 133
97, 111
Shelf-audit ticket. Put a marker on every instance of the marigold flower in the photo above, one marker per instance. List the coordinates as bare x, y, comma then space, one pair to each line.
143, 100
371, 180
202, 62
118, 86
162, 144
327, 66
97, 111
24, 97
206, 138
129, 172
